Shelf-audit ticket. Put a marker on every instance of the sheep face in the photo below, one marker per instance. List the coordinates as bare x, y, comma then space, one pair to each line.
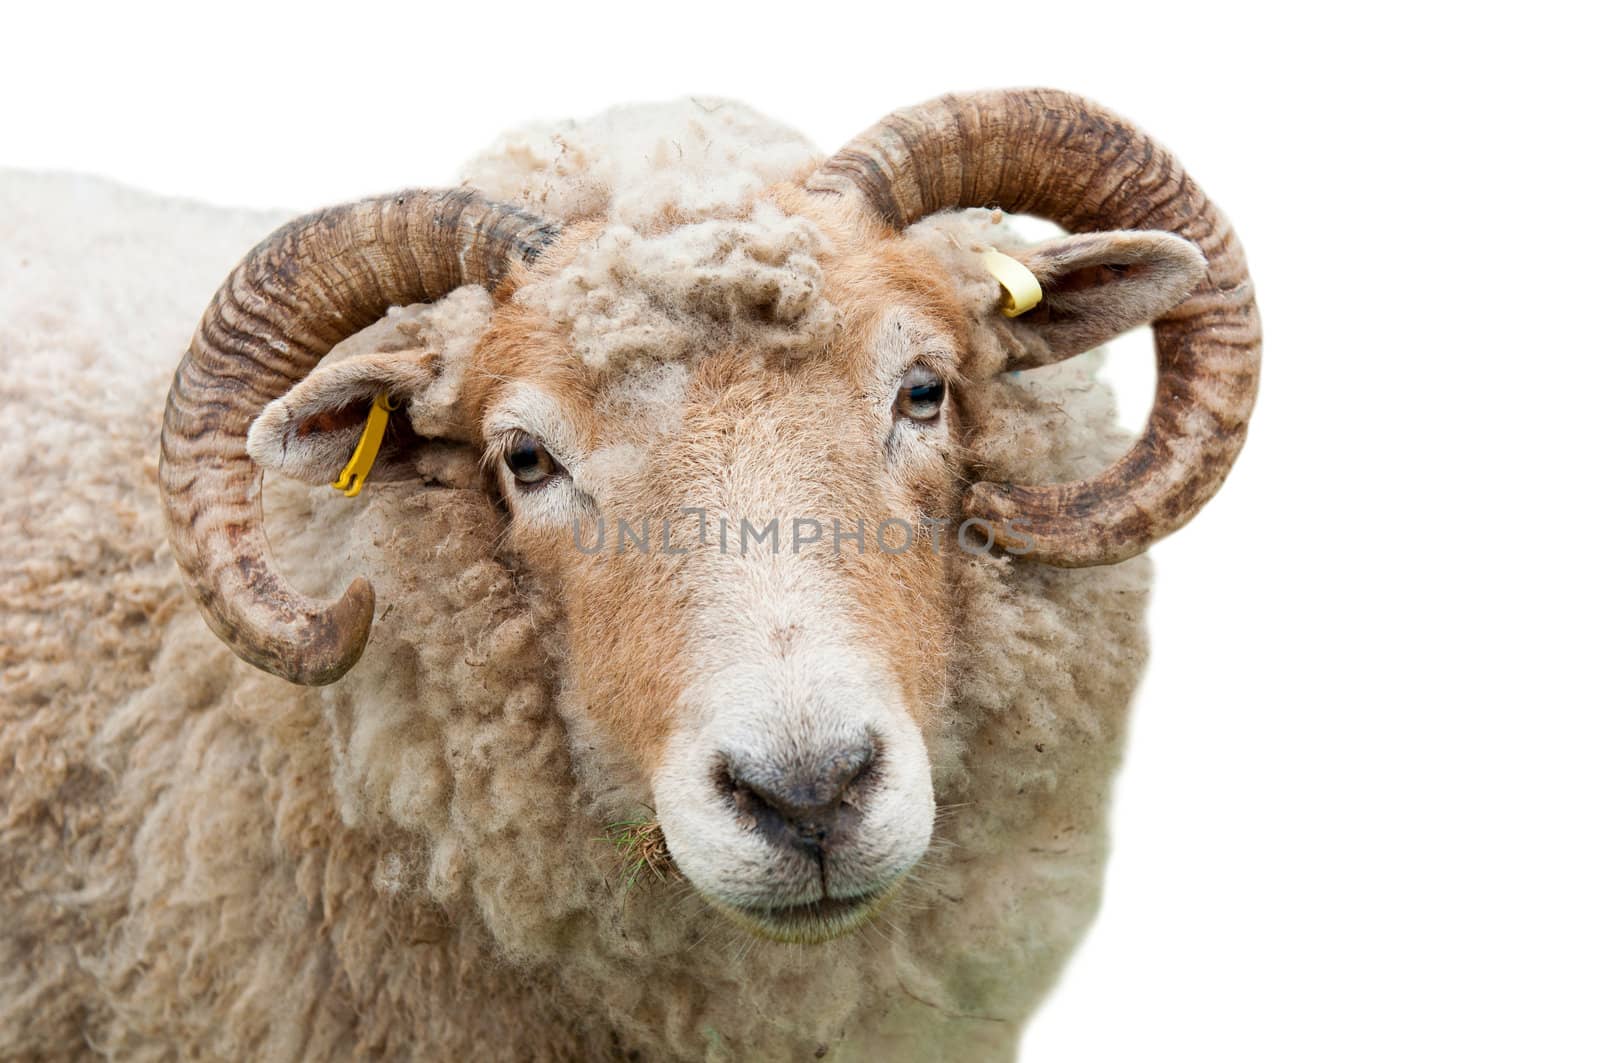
747, 535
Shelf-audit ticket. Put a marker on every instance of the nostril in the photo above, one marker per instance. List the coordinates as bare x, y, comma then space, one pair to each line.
812, 804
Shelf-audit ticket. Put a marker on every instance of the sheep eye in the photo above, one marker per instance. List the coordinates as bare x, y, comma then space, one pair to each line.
921, 395
530, 463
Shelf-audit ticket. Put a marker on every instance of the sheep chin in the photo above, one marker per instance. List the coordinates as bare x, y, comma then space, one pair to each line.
813, 923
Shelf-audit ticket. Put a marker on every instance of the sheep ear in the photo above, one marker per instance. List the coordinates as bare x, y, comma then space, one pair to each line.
1096, 285
310, 433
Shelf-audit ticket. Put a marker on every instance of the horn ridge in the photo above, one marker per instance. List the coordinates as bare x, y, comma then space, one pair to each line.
1060, 156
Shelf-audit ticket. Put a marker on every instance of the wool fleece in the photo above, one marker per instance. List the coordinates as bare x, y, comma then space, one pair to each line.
201, 861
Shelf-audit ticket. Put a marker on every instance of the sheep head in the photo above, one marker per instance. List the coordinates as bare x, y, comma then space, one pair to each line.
747, 480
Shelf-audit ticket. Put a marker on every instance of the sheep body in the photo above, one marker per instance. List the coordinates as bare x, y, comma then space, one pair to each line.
196, 854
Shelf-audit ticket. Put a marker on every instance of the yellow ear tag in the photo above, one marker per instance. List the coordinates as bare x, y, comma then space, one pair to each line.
354, 477
1019, 288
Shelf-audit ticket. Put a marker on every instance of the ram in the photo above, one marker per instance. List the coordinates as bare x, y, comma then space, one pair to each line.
725, 653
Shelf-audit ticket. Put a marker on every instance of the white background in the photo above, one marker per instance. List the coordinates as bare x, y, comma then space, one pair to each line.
1358, 816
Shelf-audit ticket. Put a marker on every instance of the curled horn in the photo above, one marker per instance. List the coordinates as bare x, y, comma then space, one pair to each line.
1061, 157
317, 280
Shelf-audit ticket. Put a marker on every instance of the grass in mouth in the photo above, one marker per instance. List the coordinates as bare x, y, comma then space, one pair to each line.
643, 849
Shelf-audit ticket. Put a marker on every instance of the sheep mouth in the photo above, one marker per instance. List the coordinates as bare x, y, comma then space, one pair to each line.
813, 922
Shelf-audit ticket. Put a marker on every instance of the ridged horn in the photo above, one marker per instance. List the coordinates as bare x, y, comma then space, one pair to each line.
1061, 157
317, 280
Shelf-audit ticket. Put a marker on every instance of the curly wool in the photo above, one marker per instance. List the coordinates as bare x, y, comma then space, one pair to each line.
412, 862
684, 261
